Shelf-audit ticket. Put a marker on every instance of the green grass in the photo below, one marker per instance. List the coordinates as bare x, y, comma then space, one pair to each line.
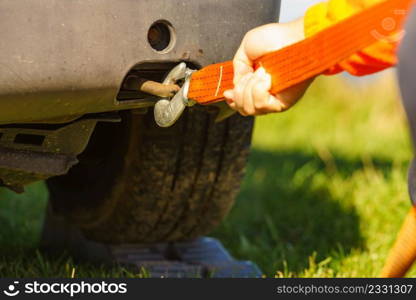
324, 195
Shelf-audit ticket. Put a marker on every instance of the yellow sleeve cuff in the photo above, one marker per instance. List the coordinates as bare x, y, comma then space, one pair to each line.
316, 19
322, 15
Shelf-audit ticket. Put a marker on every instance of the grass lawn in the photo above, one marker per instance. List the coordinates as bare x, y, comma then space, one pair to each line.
324, 195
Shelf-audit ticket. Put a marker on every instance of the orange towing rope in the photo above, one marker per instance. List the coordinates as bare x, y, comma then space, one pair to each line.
308, 58
403, 253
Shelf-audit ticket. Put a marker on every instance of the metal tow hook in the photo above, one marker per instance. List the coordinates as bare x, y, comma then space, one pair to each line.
166, 111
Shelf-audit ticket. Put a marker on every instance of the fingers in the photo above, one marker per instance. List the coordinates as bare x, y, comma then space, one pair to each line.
251, 96
263, 101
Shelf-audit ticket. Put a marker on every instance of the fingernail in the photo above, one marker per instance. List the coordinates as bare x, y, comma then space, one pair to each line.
228, 94
263, 75
261, 72
273, 101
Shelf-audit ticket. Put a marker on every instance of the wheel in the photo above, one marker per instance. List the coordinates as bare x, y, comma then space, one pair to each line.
138, 183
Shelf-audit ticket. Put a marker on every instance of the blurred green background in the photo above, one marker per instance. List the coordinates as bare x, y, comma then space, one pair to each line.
324, 195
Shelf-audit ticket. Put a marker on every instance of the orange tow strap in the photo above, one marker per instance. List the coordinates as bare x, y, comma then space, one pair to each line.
308, 58
403, 253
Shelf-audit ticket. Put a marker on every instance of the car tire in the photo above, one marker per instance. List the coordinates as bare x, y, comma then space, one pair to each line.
138, 183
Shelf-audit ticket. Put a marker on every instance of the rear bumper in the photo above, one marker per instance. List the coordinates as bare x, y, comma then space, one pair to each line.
67, 58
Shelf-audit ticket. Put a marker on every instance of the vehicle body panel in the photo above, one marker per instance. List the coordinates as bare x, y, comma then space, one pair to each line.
68, 58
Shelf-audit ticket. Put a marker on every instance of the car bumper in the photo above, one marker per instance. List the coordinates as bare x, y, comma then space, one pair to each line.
68, 58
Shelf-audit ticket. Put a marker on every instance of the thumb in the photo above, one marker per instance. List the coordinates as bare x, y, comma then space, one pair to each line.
242, 65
